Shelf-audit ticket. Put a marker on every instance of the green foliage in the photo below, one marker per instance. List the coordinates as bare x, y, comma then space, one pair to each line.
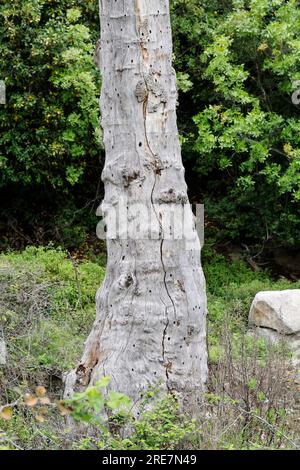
49, 128
46, 310
160, 424
237, 68
243, 60
231, 288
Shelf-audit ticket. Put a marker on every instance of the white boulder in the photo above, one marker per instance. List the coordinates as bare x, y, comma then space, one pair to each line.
277, 310
275, 316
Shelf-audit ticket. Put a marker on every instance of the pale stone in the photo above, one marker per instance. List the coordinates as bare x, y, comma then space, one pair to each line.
275, 316
277, 310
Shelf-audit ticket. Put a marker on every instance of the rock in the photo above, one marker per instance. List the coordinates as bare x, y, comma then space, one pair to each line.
273, 337
2, 353
275, 316
277, 310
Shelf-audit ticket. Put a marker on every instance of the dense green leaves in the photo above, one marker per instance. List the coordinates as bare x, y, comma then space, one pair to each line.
238, 64
244, 63
49, 128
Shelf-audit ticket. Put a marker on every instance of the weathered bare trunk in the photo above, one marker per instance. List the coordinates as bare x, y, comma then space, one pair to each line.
151, 308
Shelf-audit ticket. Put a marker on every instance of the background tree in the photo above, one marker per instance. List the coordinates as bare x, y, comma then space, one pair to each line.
49, 128
242, 57
237, 68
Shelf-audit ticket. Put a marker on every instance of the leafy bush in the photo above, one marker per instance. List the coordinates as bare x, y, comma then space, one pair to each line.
238, 67
154, 423
243, 60
49, 128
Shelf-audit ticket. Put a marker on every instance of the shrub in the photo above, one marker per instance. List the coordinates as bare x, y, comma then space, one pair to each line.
47, 308
49, 128
243, 61
46, 311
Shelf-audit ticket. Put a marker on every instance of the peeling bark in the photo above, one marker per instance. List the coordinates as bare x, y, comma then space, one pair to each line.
151, 308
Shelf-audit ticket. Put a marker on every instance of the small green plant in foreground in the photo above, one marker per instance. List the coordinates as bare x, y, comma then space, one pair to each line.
110, 420
155, 422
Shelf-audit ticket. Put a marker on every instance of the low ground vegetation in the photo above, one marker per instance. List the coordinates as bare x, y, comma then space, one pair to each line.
47, 309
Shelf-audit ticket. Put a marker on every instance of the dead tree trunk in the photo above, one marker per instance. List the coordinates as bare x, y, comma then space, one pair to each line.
151, 308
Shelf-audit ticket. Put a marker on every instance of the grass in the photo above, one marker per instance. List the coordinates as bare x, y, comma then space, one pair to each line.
47, 309
231, 288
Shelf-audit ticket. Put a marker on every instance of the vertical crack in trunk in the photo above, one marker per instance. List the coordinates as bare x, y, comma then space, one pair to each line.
161, 234
157, 169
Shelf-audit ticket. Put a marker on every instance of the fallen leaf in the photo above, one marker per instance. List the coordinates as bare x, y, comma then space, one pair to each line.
44, 401
40, 391
42, 410
64, 411
6, 413
39, 418
30, 400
